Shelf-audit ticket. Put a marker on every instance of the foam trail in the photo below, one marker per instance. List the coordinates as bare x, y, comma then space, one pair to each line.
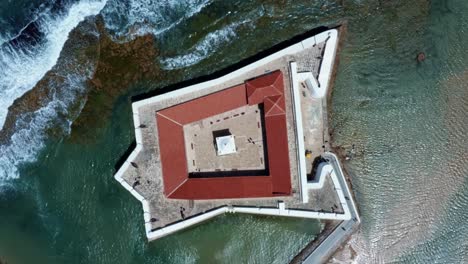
4, 38
30, 135
24, 65
128, 19
203, 48
22, 68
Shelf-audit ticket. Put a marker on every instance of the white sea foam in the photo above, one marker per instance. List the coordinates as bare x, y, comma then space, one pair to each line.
203, 48
30, 135
21, 69
128, 19
4, 38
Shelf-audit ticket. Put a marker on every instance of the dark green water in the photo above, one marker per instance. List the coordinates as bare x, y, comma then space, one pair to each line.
407, 120
68, 209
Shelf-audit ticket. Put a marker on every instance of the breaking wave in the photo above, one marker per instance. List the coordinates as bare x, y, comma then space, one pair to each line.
23, 65
128, 19
203, 48
27, 141
30, 134
29, 53
31, 127
4, 38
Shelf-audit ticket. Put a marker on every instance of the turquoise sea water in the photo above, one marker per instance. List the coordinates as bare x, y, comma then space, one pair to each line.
407, 120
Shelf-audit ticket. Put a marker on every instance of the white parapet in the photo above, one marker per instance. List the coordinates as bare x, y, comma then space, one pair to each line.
345, 188
302, 171
292, 213
332, 169
327, 64
327, 169
318, 90
324, 75
328, 60
158, 233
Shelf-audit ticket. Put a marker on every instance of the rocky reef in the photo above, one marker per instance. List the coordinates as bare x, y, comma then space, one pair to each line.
74, 61
107, 68
119, 66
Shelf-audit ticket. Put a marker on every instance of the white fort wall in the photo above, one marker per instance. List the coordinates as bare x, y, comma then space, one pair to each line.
331, 36
302, 171
332, 168
324, 76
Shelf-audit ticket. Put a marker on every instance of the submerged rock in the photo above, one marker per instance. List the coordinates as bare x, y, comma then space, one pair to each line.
88, 54
421, 56
58, 92
119, 66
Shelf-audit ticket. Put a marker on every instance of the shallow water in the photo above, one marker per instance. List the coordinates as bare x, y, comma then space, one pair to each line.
408, 122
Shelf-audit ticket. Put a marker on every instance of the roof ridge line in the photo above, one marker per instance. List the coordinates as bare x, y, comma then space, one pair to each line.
276, 114
178, 186
170, 119
274, 104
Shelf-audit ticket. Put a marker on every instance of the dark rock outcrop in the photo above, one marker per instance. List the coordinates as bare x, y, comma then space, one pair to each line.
119, 66
116, 67
75, 58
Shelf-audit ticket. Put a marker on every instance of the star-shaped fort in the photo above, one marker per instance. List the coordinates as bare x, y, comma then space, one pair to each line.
254, 140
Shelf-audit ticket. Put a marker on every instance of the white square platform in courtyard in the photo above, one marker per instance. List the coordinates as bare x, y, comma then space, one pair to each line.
225, 145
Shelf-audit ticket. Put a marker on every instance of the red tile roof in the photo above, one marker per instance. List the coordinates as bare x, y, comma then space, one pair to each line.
267, 89
273, 105
265, 86
206, 106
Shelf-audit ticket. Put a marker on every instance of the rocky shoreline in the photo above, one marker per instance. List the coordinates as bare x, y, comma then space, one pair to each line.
115, 66
52, 84
345, 252
119, 66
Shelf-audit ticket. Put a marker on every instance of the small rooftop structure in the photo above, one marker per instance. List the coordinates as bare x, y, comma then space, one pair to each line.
225, 145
